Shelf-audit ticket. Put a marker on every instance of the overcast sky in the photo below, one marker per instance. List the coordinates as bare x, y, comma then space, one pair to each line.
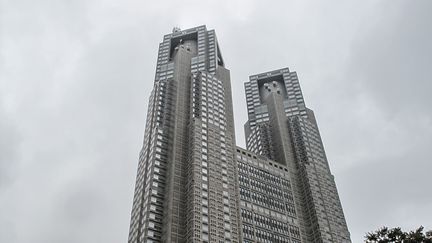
75, 78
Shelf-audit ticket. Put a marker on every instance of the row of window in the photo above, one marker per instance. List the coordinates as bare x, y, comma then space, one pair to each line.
263, 236
258, 173
146, 163
264, 221
263, 200
272, 189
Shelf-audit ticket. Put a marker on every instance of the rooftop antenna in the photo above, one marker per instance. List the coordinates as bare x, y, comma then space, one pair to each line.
176, 29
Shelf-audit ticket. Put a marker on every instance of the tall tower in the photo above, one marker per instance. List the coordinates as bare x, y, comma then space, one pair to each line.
194, 185
281, 128
186, 182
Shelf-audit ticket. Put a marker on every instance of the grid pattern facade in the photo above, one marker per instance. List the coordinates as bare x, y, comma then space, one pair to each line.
267, 209
258, 138
212, 195
194, 185
288, 84
283, 129
186, 188
322, 200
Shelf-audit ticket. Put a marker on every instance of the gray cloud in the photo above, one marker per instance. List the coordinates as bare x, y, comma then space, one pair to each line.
391, 57
75, 79
9, 147
378, 122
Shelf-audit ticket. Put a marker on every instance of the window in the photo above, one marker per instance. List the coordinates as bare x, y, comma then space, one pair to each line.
205, 219
205, 227
205, 236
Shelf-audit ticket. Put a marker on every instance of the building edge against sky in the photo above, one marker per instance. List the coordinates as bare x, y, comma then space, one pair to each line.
280, 127
186, 187
194, 185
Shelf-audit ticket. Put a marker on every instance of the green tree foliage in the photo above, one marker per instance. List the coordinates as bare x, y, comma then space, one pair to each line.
396, 235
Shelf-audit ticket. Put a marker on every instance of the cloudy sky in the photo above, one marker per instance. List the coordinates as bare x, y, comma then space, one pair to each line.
75, 77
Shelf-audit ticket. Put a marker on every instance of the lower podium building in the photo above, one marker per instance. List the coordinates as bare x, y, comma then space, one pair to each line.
195, 185
267, 207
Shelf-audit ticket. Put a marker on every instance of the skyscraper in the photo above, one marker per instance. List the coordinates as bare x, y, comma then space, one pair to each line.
281, 128
194, 185
186, 186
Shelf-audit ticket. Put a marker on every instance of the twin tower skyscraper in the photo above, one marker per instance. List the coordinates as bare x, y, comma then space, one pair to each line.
195, 185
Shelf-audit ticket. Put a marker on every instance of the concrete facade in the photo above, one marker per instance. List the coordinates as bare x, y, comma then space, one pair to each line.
194, 185
280, 127
267, 205
186, 186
